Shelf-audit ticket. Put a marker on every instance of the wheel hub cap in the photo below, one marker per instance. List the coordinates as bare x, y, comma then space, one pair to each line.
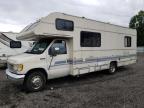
36, 82
112, 69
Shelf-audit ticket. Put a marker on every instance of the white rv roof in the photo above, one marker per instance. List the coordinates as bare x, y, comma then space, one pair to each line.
6, 37
45, 27
10, 35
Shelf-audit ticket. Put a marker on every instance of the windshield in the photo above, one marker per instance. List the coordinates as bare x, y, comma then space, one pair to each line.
39, 47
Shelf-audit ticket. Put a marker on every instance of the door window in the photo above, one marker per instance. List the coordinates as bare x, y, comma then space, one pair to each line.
61, 46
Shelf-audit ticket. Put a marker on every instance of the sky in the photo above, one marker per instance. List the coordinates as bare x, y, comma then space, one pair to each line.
16, 14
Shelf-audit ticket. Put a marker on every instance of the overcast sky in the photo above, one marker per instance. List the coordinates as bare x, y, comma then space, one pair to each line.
16, 14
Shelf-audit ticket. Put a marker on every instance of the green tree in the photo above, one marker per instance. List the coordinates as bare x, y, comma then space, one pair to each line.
137, 22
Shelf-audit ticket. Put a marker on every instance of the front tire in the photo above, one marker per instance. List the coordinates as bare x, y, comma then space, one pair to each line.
35, 81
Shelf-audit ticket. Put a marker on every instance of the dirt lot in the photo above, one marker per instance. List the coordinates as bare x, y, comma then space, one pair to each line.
124, 89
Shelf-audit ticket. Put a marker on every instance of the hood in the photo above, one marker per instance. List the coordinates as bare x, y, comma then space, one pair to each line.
22, 58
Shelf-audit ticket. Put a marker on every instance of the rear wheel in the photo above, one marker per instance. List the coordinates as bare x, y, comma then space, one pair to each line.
35, 81
112, 68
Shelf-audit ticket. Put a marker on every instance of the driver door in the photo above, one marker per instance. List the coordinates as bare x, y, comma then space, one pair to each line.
59, 66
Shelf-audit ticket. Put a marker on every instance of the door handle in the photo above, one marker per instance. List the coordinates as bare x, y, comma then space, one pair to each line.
42, 58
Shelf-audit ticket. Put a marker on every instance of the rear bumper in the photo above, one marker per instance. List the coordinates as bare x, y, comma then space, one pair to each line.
15, 77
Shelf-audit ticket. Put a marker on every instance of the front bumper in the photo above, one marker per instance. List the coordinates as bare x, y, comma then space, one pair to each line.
14, 77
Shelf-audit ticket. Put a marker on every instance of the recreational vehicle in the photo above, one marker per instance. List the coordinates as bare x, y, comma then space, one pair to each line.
9, 46
70, 45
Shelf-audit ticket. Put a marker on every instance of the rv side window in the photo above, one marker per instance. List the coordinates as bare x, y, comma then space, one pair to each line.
62, 24
127, 41
90, 39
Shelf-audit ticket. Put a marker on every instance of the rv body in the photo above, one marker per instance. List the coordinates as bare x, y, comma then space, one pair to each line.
5, 48
70, 45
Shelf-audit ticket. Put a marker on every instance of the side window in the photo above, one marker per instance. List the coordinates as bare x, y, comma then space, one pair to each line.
61, 45
127, 41
66, 25
90, 39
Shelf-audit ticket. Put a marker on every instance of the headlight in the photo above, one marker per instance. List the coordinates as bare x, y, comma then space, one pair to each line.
18, 67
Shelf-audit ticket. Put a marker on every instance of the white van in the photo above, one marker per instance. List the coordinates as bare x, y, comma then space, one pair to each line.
70, 45
7, 40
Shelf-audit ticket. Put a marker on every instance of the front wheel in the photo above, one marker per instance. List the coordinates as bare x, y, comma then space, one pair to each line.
35, 81
112, 68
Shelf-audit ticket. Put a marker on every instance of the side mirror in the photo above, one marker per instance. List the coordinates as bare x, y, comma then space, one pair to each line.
30, 44
54, 51
15, 44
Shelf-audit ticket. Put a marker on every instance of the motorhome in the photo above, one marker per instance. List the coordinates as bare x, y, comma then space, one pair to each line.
7, 39
70, 45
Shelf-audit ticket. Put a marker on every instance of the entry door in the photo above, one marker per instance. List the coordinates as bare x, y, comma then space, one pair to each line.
59, 66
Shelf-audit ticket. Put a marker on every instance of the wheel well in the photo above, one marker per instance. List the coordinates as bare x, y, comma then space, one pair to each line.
115, 62
37, 70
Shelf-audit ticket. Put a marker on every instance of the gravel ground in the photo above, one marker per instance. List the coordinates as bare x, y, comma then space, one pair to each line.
125, 89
